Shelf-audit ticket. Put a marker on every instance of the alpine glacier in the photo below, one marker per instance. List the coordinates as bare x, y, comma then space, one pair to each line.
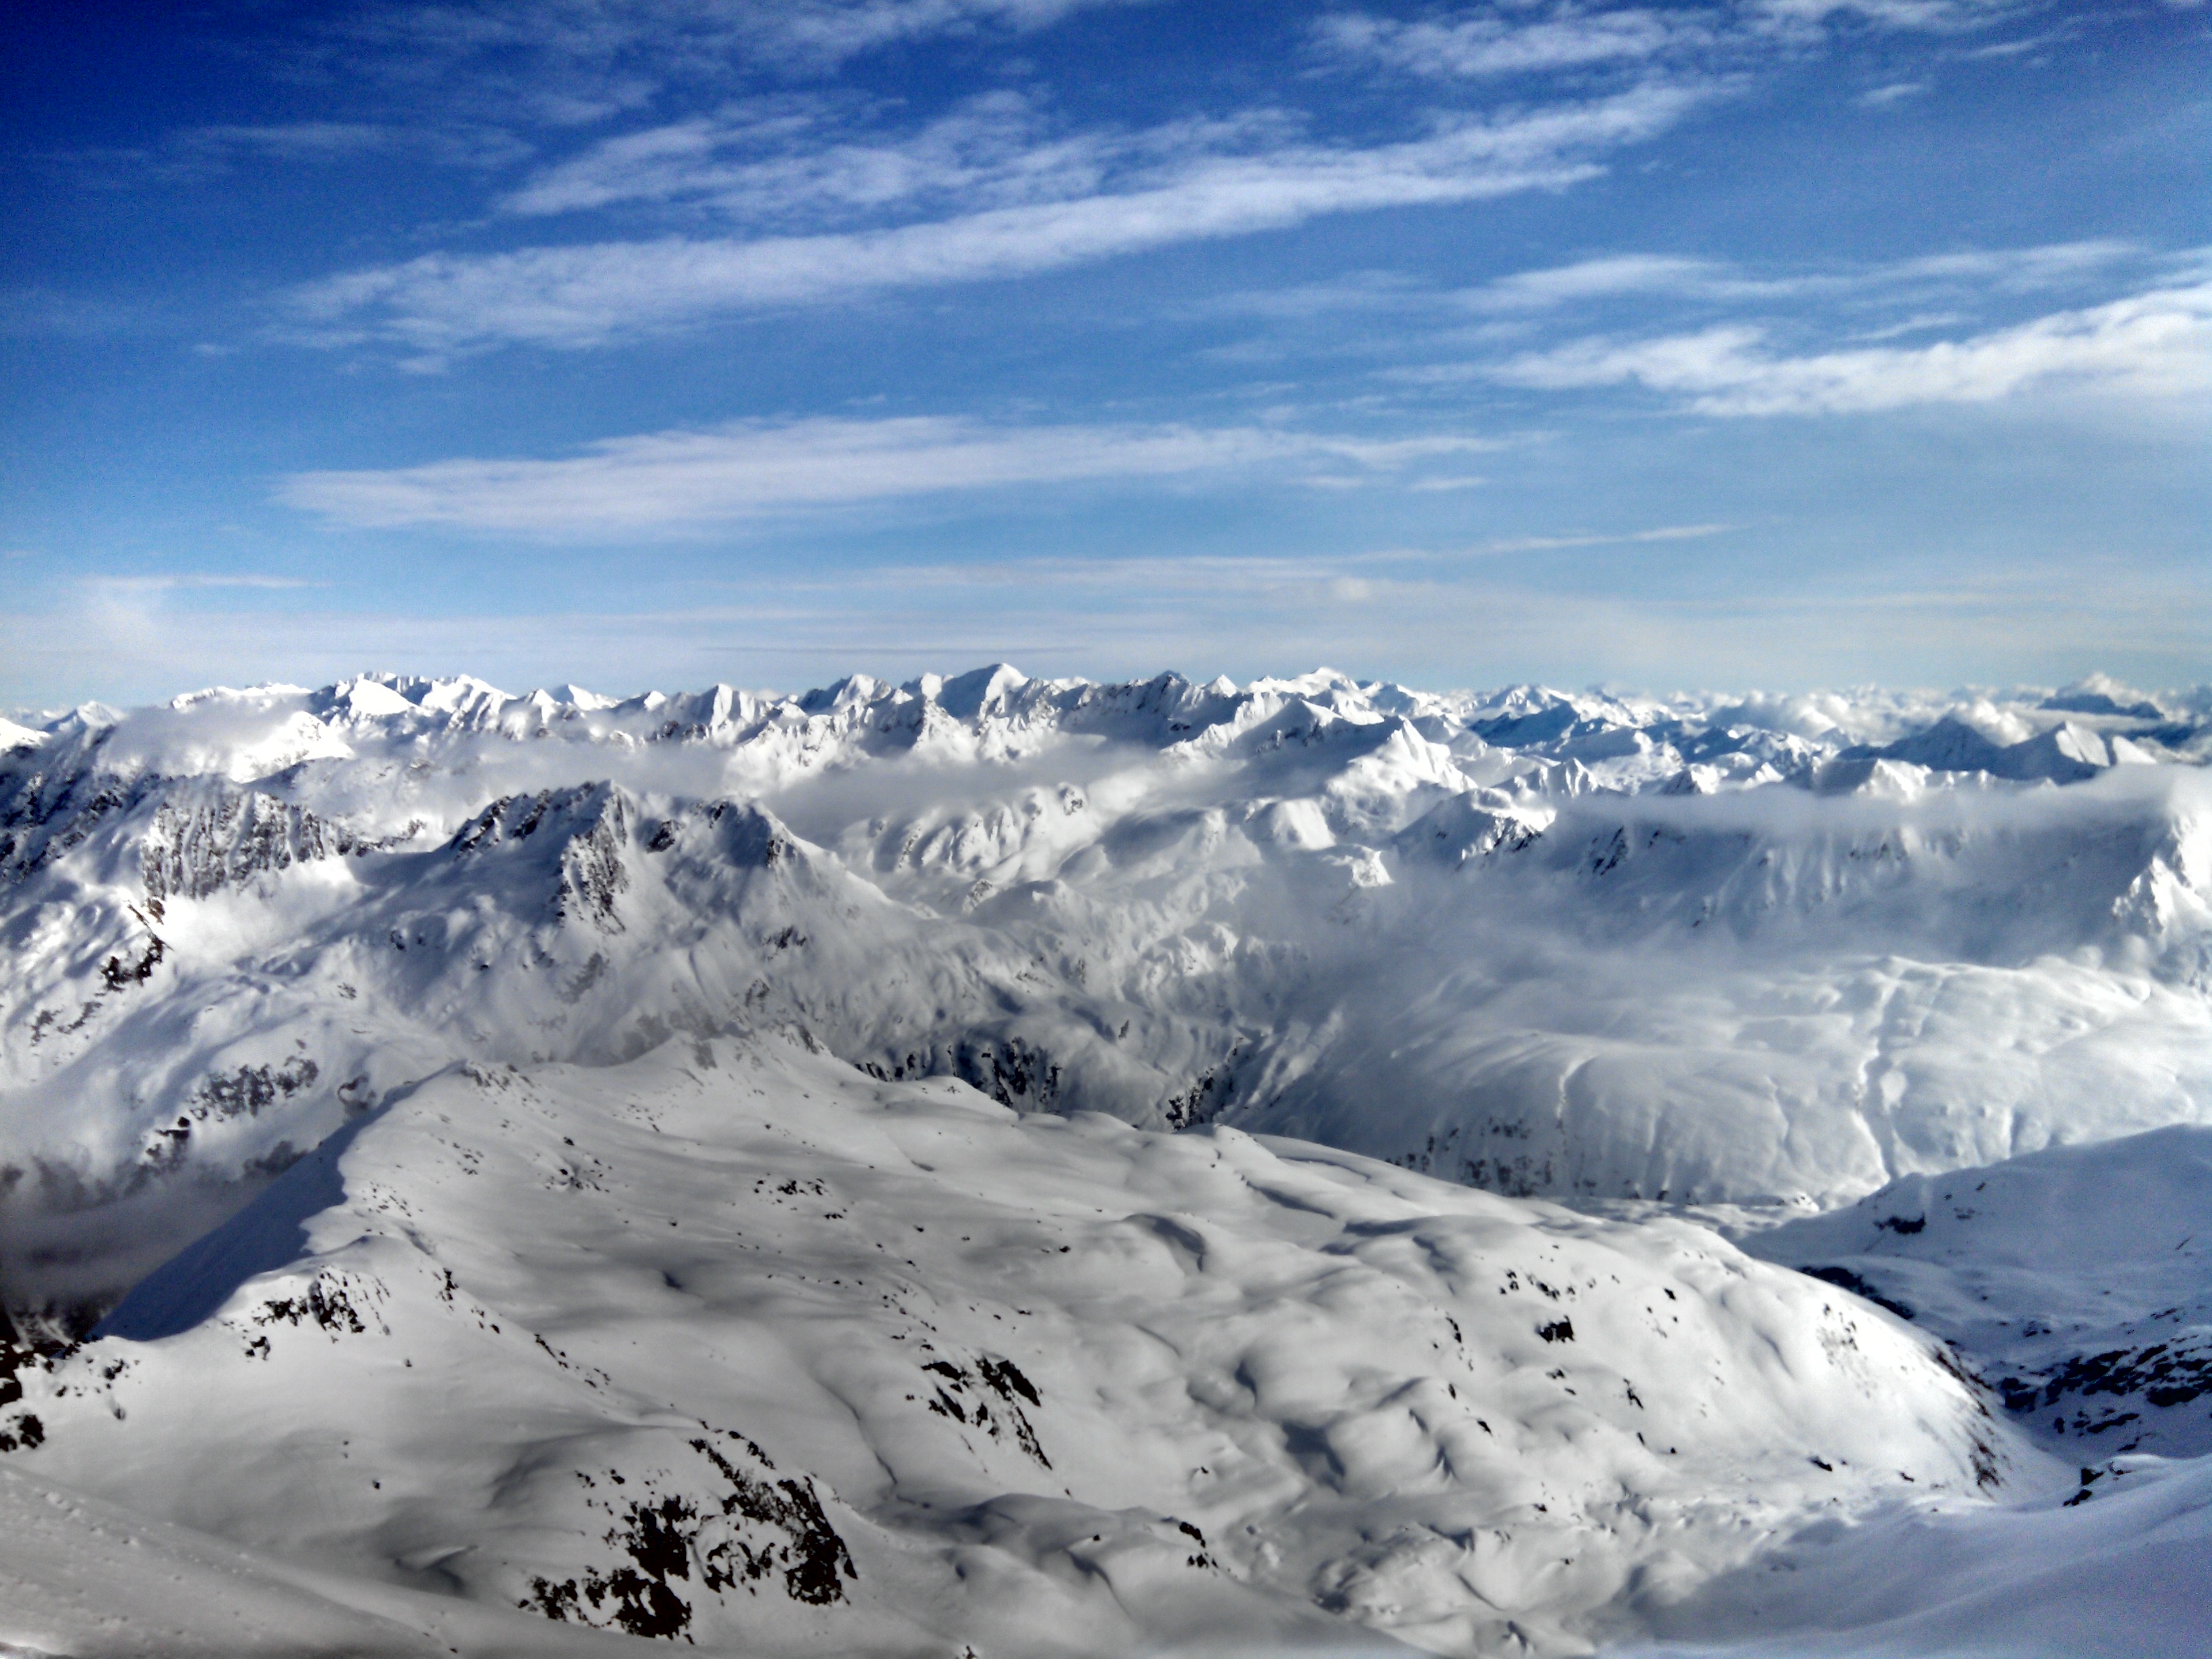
705, 1166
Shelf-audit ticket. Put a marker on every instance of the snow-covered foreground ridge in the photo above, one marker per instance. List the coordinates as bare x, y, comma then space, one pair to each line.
1744, 949
736, 1344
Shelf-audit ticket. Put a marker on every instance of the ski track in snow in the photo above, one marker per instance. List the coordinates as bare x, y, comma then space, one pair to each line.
959, 1345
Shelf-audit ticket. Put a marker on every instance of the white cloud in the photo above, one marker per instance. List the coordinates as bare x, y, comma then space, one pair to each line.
592, 293
2016, 270
1925, 322
2157, 344
1672, 532
1522, 37
787, 158
1927, 16
671, 480
195, 156
1602, 278
577, 61
162, 584
812, 203
833, 30
1486, 42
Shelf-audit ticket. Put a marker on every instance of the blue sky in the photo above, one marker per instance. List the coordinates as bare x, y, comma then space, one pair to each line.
661, 342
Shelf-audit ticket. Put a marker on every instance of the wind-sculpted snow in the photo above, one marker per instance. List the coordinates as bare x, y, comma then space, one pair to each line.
735, 1344
1712, 949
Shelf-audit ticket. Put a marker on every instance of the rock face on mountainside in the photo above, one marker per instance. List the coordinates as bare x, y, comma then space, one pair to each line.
734, 1345
1777, 949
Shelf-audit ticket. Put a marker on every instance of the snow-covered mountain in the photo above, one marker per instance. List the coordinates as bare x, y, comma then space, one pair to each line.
734, 1343
2077, 1272
705, 1169
1709, 949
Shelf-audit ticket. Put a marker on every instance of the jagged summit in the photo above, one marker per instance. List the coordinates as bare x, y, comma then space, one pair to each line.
2100, 694
1629, 744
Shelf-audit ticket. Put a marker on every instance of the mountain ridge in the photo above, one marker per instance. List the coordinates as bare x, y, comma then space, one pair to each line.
1311, 906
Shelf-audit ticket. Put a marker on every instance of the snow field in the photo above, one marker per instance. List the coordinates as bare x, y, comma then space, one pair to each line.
777, 1356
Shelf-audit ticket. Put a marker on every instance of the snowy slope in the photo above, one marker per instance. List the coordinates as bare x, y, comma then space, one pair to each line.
83, 1576
1716, 949
2078, 1277
2129, 1576
735, 1344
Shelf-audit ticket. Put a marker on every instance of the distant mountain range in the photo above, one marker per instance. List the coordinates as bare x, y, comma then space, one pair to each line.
1712, 949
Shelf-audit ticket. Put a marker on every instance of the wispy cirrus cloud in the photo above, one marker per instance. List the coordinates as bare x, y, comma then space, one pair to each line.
575, 62
1954, 278
200, 156
163, 583
1495, 41
1668, 532
2004, 270
2157, 344
1529, 37
809, 200
1927, 16
675, 480
831, 31
1221, 186
1601, 278
793, 158
2016, 270
445, 144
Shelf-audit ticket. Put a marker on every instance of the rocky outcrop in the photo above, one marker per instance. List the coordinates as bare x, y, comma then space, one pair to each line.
204, 840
